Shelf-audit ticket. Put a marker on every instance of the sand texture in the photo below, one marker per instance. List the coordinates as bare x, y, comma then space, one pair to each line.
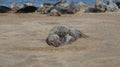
22, 40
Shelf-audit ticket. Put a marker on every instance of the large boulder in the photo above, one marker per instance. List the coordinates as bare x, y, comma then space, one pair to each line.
54, 12
98, 7
28, 4
27, 9
61, 35
61, 6
111, 6
4, 9
14, 7
117, 2
65, 8
81, 4
92, 10
101, 7
73, 8
45, 8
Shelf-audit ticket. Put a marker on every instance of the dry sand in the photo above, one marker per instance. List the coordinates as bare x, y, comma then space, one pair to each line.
22, 41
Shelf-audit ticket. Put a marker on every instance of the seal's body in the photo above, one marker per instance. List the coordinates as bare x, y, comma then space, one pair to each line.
61, 35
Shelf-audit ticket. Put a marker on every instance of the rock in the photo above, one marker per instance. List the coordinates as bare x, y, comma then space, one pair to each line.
98, 7
4, 9
81, 4
92, 10
27, 9
101, 7
111, 6
73, 8
54, 12
28, 4
65, 8
14, 7
61, 7
117, 3
45, 8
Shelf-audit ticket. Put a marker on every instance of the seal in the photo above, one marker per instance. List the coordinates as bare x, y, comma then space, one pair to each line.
62, 35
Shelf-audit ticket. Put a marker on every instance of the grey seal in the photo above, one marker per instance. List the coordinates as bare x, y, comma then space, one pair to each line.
62, 35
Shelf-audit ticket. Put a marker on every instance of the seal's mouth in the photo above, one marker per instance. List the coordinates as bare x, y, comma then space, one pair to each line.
56, 43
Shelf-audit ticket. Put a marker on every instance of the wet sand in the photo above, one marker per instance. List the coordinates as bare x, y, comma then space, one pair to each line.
22, 40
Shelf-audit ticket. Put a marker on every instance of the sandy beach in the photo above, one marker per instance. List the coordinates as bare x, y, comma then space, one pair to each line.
22, 40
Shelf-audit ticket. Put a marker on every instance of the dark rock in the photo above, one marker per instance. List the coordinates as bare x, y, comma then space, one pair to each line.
60, 6
92, 10
117, 2
98, 7
4, 9
101, 7
111, 6
27, 9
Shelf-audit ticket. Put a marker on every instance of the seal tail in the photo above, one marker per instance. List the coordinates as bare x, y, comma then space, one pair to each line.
82, 35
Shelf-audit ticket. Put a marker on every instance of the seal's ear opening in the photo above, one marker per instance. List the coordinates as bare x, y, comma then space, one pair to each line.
4, 9
27, 9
